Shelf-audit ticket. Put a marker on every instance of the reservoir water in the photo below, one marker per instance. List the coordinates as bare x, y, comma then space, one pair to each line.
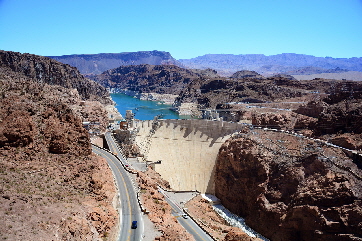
143, 109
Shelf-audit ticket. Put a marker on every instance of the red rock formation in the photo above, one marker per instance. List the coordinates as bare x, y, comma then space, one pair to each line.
312, 108
349, 141
52, 186
286, 120
45, 70
290, 188
342, 117
273, 120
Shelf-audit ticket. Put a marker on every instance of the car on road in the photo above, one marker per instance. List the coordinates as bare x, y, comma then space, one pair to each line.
134, 225
184, 216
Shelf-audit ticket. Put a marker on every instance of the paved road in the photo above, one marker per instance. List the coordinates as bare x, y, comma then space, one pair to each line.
188, 223
113, 147
130, 210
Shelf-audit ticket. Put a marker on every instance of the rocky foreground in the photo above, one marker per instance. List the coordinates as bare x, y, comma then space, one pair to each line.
291, 188
51, 185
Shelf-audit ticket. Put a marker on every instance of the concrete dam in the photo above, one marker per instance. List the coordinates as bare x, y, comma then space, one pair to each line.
187, 150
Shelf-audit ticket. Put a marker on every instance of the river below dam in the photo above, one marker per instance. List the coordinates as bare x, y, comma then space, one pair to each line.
144, 109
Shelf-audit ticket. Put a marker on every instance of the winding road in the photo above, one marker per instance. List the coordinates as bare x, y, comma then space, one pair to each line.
129, 209
118, 169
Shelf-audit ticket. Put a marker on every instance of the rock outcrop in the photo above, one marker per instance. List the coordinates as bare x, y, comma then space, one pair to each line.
312, 108
52, 186
284, 76
210, 93
247, 74
161, 79
289, 188
49, 71
342, 117
339, 111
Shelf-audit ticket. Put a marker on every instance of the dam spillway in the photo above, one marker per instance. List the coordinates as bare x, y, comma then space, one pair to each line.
187, 150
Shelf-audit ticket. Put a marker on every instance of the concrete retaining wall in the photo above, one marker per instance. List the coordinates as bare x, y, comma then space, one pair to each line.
187, 149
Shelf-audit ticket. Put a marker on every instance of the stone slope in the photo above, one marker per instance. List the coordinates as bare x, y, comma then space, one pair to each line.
287, 188
93, 64
51, 185
46, 70
338, 112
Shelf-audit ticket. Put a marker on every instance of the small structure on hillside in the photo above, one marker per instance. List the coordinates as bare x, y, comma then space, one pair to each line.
129, 118
210, 115
123, 124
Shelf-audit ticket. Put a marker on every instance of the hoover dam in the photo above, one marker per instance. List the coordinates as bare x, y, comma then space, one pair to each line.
186, 150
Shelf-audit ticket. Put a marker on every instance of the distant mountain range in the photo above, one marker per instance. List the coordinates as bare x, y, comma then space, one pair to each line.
93, 64
287, 63
224, 64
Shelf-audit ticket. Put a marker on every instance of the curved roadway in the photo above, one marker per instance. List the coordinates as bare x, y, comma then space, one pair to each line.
188, 224
130, 210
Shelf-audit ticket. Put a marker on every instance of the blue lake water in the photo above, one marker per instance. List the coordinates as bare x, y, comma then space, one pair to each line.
143, 109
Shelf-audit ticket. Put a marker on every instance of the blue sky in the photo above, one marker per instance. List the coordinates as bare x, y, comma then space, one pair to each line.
185, 28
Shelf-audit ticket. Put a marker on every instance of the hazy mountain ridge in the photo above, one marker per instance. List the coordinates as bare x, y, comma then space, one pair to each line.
288, 63
224, 64
90, 64
350, 75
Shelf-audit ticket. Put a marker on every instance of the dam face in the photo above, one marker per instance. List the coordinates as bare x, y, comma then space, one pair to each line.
187, 150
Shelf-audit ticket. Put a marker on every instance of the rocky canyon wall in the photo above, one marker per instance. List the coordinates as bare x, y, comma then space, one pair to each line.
289, 187
45, 70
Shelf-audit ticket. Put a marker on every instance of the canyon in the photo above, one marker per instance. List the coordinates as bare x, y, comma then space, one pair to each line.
295, 170
282, 153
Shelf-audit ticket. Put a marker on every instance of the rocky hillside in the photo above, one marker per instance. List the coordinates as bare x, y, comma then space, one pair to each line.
246, 87
93, 64
246, 74
227, 64
51, 185
338, 112
49, 71
290, 188
161, 79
